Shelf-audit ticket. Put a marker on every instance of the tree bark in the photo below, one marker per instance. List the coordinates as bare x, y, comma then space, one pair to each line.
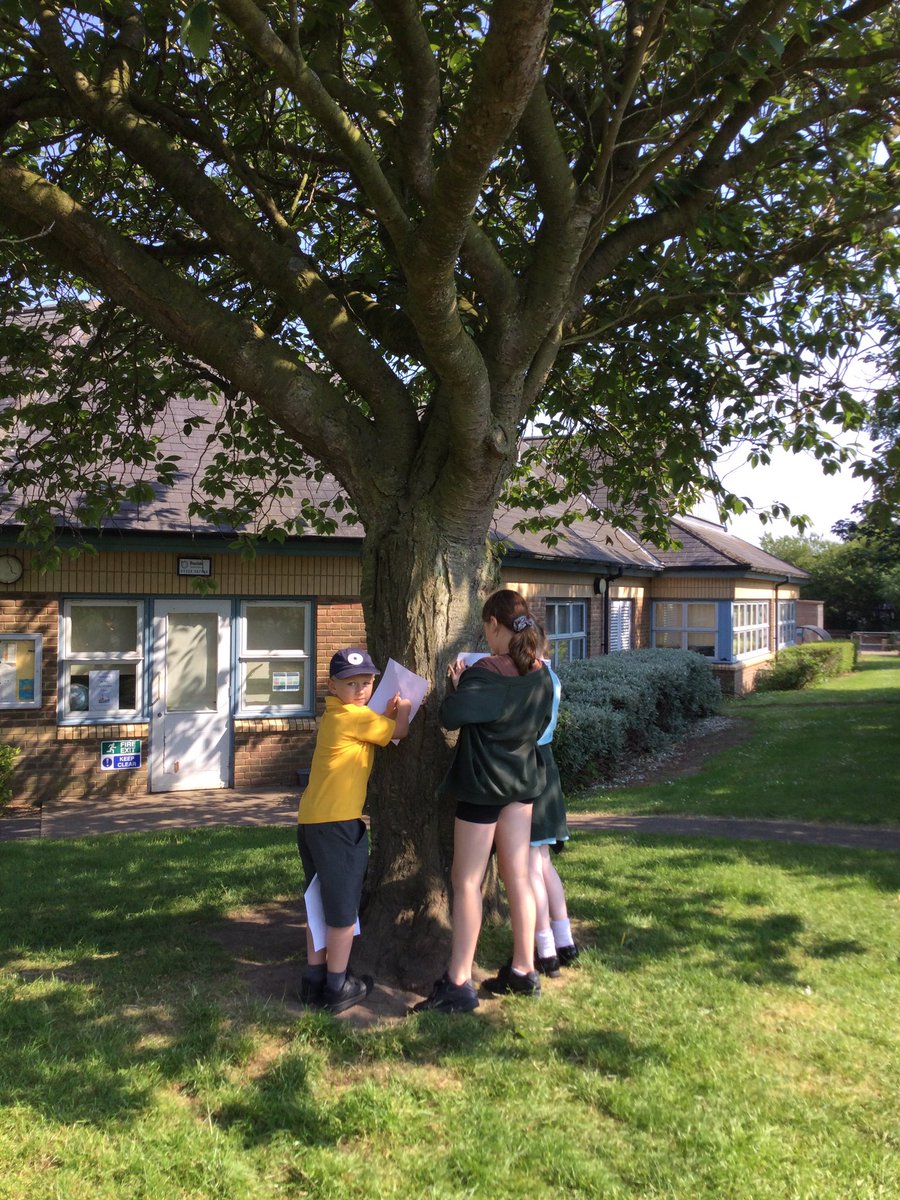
422, 595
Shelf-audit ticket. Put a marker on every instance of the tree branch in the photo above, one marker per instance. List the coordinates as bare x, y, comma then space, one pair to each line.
301, 401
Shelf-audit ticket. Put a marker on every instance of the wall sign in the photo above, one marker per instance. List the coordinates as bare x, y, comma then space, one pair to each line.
123, 755
195, 566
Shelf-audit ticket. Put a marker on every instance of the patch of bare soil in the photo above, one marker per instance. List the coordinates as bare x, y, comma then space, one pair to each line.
268, 948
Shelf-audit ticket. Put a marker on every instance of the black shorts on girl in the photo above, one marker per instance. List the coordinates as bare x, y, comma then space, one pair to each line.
338, 852
482, 814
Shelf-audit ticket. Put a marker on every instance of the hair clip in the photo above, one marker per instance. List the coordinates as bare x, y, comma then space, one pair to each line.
521, 622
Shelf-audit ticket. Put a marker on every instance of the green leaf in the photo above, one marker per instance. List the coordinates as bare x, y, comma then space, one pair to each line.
197, 29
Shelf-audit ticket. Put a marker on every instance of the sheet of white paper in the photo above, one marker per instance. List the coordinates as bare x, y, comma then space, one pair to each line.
398, 679
472, 656
315, 914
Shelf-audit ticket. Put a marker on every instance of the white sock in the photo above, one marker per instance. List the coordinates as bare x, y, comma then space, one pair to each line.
562, 933
546, 946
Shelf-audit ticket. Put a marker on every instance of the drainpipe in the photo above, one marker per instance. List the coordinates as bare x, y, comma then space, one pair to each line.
787, 579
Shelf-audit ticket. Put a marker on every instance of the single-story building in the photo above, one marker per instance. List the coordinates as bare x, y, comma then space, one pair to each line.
117, 678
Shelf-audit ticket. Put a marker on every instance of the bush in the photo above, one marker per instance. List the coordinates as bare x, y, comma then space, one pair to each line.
8, 756
799, 667
627, 704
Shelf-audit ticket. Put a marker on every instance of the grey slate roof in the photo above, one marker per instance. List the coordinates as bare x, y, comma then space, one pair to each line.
586, 544
707, 546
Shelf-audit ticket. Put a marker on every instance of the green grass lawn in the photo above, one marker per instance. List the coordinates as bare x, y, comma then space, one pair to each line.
828, 754
731, 1033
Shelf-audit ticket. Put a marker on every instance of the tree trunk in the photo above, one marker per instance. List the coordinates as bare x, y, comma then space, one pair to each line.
422, 595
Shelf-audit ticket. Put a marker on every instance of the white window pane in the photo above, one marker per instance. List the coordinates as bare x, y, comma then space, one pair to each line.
275, 627
701, 616
117, 694
578, 622
702, 643
192, 662
551, 619
275, 683
669, 616
667, 641
103, 629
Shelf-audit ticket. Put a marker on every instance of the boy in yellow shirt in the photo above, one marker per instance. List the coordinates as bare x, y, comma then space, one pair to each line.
331, 835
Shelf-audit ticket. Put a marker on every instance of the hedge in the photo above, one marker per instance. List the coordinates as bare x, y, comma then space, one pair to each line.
804, 666
621, 705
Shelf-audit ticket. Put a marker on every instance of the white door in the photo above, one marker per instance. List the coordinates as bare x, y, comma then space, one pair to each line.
190, 725
620, 625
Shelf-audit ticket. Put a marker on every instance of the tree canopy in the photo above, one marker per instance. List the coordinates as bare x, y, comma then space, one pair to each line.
858, 578
385, 235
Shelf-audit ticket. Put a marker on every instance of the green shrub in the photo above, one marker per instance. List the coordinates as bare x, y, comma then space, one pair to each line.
8, 756
627, 704
799, 667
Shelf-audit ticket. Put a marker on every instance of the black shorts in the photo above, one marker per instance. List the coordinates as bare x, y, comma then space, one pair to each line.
338, 852
481, 814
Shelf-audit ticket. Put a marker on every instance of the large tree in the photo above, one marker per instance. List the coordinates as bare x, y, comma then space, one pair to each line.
385, 235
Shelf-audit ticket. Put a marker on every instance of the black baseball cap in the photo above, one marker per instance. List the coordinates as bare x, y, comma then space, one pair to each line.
352, 661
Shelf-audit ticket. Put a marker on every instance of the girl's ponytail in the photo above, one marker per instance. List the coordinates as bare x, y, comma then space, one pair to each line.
509, 608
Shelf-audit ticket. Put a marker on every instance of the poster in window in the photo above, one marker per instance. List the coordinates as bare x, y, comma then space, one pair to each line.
26, 690
7, 682
103, 691
285, 681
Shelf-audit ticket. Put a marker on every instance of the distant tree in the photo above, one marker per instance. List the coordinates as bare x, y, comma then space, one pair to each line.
385, 235
857, 579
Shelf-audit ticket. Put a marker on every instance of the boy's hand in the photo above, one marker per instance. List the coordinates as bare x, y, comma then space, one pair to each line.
399, 709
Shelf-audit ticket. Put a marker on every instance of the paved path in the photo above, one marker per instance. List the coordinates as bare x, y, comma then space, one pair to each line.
193, 810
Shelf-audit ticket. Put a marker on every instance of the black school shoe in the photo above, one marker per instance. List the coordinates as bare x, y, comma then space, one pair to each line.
508, 983
447, 997
352, 991
548, 966
311, 992
567, 954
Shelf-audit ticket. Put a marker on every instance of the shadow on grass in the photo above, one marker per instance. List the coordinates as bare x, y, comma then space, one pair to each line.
115, 988
647, 914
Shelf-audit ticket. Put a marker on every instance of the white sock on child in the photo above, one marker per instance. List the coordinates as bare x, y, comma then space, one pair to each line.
562, 932
546, 946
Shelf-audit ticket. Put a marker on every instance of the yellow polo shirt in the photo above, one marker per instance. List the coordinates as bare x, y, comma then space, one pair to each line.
342, 762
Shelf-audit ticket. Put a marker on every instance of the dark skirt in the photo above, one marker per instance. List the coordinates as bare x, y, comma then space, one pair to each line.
548, 815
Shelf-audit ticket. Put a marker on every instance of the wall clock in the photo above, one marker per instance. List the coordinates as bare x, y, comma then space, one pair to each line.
10, 568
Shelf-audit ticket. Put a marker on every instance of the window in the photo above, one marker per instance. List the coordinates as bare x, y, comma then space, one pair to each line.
749, 628
102, 660
566, 630
20, 670
275, 674
686, 625
787, 623
620, 620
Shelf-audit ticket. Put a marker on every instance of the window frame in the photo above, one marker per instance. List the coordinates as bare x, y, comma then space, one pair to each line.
756, 631
684, 628
579, 637
244, 656
37, 640
784, 624
88, 659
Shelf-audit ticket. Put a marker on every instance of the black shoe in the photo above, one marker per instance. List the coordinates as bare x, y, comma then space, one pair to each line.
351, 991
507, 982
447, 997
567, 954
548, 966
311, 992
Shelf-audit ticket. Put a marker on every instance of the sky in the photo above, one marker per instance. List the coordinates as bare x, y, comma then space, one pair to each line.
797, 479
